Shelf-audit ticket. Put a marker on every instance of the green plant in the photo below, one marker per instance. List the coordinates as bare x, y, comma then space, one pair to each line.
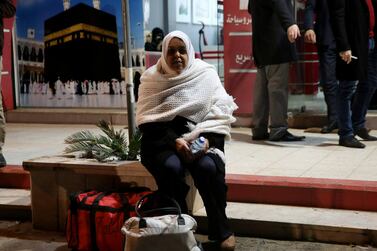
112, 145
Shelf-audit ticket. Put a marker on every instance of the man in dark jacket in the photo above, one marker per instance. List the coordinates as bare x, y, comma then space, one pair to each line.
318, 31
7, 10
274, 32
354, 26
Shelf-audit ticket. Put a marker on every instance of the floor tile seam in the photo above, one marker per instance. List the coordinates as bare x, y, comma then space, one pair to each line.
324, 175
318, 170
371, 153
316, 162
284, 173
255, 152
357, 162
354, 171
275, 162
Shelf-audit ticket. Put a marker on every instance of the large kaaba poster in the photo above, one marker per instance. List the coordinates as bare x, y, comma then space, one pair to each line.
70, 52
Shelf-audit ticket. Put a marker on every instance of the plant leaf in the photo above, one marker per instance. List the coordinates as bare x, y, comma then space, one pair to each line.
112, 144
80, 136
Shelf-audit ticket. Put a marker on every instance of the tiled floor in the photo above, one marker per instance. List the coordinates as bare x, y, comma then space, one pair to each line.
319, 156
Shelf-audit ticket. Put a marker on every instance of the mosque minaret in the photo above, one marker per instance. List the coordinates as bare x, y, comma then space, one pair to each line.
66, 4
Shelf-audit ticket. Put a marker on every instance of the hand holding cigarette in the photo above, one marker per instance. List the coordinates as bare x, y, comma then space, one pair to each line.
347, 56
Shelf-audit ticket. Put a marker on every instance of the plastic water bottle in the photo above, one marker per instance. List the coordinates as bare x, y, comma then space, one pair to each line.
198, 145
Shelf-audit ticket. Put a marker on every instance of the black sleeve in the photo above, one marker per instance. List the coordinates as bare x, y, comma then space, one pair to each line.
338, 23
7, 8
158, 135
309, 15
284, 11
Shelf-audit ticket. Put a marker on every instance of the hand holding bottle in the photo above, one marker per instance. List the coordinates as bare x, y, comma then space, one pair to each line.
200, 145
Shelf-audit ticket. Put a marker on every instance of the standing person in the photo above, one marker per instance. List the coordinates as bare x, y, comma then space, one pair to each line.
7, 10
274, 32
318, 31
180, 99
353, 23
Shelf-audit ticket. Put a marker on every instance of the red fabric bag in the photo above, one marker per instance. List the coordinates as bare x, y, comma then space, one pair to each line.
95, 219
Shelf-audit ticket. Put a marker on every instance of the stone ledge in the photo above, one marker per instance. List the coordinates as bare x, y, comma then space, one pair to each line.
298, 223
54, 178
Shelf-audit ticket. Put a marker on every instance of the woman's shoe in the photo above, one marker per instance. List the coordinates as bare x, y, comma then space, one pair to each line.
229, 244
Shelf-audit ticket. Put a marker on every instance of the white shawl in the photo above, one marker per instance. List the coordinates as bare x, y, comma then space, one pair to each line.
196, 94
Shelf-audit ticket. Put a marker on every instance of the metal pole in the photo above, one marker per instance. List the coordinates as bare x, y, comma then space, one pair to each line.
128, 69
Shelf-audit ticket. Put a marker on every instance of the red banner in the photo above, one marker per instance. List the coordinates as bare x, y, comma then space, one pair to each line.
6, 77
7, 70
239, 70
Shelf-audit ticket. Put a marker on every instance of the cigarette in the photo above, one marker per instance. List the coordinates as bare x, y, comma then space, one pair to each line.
354, 57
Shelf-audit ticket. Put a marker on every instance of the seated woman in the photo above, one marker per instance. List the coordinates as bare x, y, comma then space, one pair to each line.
180, 99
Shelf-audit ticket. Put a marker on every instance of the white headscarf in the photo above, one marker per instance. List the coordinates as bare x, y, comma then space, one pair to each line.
196, 94
162, 65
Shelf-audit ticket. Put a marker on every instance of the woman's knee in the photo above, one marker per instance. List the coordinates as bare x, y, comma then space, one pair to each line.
206, 167
173, 166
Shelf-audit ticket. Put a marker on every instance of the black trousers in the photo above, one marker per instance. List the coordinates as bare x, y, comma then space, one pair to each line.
169, 173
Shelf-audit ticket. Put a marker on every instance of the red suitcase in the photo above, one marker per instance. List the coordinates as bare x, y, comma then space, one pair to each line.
95, 219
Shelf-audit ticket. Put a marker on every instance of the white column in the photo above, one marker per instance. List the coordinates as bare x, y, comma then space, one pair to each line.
96, 4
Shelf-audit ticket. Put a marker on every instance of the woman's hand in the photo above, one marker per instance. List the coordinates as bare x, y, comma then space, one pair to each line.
202, 151
183, 149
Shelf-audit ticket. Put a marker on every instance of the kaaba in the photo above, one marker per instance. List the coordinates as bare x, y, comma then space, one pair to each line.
81, 43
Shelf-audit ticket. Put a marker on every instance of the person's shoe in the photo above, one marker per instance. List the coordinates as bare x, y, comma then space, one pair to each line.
287, 136
330, 127
2, 160
364, 134
229, 244
351, 142
260, 136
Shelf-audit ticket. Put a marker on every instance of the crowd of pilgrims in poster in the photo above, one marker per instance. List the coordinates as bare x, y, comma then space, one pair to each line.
61, 89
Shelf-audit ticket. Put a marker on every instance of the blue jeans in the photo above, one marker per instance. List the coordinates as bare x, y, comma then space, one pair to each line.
353, 118
346, 91
327, 67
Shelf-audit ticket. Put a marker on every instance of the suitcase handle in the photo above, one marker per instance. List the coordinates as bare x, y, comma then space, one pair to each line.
176, 209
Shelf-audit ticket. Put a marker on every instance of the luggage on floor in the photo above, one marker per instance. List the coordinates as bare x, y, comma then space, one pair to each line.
95, 219
171, 231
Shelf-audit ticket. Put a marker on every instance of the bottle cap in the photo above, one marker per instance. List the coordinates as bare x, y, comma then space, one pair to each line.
202, 139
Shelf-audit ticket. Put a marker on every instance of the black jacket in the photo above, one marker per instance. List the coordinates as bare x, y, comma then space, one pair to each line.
350, 23
317, 18
7, 10
159, 139
270, 21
